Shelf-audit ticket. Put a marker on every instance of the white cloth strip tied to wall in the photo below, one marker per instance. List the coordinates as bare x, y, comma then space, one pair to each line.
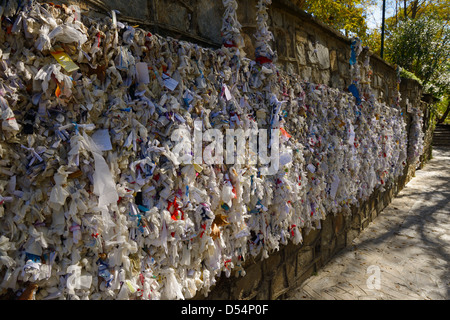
98, 204
231, 28
263, 36
416, 143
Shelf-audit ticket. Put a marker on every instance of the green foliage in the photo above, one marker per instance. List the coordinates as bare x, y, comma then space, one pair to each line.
441, 107
349, 16
417, 36
373, 41
409, 75
422, 46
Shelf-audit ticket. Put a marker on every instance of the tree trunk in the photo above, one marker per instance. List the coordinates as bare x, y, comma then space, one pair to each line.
447, 111
396, 13
414, 9
406, 13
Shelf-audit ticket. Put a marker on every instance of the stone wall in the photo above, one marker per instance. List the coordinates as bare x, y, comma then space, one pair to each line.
412, 94
304, 45
198, 21
271, 278
291, 265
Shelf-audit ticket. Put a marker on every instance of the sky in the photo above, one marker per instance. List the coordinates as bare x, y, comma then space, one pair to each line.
375, 14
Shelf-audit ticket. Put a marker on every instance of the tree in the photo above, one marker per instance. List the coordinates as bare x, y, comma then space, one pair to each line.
421, 46
398, 11
420, 43
349, 16
441, 87
416, 8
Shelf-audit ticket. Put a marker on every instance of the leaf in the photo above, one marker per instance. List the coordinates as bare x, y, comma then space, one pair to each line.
220, 220
215, 231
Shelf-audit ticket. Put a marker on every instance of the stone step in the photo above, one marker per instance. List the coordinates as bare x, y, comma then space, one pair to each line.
441, 135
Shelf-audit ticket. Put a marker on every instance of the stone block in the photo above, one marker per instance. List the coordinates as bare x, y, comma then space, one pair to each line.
178, 17
338, 222
208, 20
380, 205
324, 77
356, 221
365, 223
346, 82
306, 73
342, 83
249, 46
347, 222
277, 18
290, 44
340, 241
301, 37
291, 268
333, 60
315, 76
306, 273
373, 215
343, 56
327, 253
218, 293
278, 284
265, 291
323, 56
242, 12
344, 70
318, 54
335, 80
249, 7
310, 53
291, 250
272, 263
281, 42
364, 210
371, 202
300, 53
138, 9
247, 287
327, 231
351, 235
304, 259
311, 237
291, 68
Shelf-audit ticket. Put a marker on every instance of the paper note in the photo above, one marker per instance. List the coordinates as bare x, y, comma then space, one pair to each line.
64, 60
351, 135
284, 133
114, 18
142, 74
334, 187
102, 139
76, 12
169, 83
187, 98
227, 92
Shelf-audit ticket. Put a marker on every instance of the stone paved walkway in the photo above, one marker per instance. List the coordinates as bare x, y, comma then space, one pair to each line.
404, 254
